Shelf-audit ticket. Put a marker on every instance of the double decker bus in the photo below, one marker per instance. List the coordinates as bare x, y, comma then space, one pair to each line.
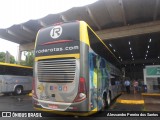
73, 73
15, 79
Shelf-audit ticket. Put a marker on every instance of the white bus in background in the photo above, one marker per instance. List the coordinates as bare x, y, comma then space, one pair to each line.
15, 79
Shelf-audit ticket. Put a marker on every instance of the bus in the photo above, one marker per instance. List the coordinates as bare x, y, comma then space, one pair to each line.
15, 79
73, 72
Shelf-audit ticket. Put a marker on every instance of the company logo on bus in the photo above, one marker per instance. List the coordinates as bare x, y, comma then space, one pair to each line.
59, 88
56, 32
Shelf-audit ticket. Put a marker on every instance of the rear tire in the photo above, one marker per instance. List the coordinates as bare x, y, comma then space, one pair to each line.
18, 90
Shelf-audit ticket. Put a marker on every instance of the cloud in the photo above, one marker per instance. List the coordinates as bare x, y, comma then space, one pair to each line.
19, 11
9, 46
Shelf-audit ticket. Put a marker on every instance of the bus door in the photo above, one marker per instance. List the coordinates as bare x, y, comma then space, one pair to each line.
113, 86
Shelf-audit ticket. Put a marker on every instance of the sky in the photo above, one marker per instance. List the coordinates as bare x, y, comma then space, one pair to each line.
19, 11
11, 47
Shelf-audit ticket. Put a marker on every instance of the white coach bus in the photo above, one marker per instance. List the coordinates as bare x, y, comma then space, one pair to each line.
15, 78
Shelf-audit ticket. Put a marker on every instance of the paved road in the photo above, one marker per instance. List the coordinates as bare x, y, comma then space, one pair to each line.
16, 103
24, 103
21, 103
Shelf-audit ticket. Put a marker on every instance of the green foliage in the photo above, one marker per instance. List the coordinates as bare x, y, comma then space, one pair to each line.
23, 62
12, 59
29, 59
27, 62
2, 57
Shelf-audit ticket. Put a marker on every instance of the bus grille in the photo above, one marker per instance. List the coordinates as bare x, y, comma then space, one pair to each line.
57, 70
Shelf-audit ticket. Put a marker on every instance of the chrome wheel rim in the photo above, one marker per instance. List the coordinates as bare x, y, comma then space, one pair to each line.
19, 90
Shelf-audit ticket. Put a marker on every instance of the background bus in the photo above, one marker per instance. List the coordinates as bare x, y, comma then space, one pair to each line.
73, 71
15, 78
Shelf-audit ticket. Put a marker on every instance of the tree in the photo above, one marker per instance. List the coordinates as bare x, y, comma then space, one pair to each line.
29, 59
12, 59
2, 57
23, 62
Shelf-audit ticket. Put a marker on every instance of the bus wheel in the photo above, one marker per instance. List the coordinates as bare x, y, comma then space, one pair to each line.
18, 90
108, 100
104, 103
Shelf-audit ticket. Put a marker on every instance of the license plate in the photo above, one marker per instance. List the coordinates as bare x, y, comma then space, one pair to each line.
53, 106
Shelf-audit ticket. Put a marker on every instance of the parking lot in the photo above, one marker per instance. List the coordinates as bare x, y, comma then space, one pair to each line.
16, 103
23, 103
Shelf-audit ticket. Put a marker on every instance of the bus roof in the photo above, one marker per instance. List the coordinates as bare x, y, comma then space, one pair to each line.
14, 65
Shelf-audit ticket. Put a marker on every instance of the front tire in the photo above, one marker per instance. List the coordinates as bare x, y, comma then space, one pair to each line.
18, 90
104, 102
108, 100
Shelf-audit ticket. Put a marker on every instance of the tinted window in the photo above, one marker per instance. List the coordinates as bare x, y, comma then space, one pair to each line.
11, 70
98, 47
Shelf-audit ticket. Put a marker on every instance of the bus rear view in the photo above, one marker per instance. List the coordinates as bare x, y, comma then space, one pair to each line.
59, 84
71, 73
